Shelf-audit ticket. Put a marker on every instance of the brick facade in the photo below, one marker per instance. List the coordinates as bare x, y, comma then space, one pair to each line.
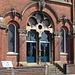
61, 8
23, 71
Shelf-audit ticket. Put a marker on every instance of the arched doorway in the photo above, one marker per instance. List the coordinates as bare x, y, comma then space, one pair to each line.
39, 24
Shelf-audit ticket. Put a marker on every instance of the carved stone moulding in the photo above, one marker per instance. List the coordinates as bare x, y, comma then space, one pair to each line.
22, 31
2, 24
57, 34
14, 13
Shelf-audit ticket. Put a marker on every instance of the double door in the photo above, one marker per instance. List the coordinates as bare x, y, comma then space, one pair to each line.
32, 52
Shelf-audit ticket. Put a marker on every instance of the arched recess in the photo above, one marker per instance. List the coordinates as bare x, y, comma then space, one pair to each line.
12, 30
42, 24
64, 39
12, 38
66, 44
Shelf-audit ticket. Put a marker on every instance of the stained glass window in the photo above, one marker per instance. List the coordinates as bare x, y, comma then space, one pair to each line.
63, 40
11, 38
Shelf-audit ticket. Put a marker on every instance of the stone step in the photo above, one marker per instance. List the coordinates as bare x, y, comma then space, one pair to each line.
52, 69
55, 72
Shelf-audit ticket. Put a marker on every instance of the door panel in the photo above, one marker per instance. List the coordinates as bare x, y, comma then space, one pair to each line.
31, 52
45, 52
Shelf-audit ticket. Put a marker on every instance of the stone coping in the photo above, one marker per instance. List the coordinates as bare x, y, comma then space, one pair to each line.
30, 67
63, 54
12, 53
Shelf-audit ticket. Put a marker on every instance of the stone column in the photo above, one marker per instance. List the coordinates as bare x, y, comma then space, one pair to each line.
22, 45
57, 46
39, 51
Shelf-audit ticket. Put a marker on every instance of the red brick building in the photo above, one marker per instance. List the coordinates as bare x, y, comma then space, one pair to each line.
37, 31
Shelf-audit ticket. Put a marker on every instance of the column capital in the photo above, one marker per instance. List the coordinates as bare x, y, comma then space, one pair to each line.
22, 31
57, 34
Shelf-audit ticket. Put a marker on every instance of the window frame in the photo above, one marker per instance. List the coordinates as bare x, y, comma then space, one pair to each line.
15, 38
64, 51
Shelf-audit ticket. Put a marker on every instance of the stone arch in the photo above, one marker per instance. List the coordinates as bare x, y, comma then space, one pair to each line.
48, 9
14, 22
65, 28
45, 4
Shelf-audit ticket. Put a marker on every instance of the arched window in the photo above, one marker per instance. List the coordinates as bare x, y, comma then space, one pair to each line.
12, 38
63, 41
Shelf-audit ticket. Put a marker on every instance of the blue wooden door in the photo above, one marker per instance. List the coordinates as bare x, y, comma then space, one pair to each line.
31, 52
45, 53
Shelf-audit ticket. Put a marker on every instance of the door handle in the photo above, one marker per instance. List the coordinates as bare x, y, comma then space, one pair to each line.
44, 51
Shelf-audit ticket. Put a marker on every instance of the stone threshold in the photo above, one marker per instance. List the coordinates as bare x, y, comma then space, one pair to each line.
34, 64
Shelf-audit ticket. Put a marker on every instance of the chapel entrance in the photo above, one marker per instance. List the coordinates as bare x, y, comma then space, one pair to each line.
39, 30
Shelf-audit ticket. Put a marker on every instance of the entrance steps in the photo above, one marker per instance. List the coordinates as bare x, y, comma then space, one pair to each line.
53, 70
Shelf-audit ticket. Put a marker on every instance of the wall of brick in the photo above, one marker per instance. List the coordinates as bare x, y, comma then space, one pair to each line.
6, 6
22, 48
64, 58
69, 69
24, 71
57, 49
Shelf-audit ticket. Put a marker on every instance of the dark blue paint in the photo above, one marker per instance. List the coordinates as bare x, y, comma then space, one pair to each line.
44, 58
31, 58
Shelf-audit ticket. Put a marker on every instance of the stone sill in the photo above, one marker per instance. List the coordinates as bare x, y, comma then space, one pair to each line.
63, 2
12, 54
63, 54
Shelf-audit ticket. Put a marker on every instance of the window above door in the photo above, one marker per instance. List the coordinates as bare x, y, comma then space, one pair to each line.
39, 18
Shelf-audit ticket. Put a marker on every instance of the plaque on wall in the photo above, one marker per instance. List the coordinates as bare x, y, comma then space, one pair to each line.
7, 64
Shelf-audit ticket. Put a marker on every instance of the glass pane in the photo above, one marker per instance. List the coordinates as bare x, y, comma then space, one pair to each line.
28, 49
11, 38
34, 49
46, 22
42, 49
62, 40
32, 21
31, 36
39, 17
45, 36
47, 49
